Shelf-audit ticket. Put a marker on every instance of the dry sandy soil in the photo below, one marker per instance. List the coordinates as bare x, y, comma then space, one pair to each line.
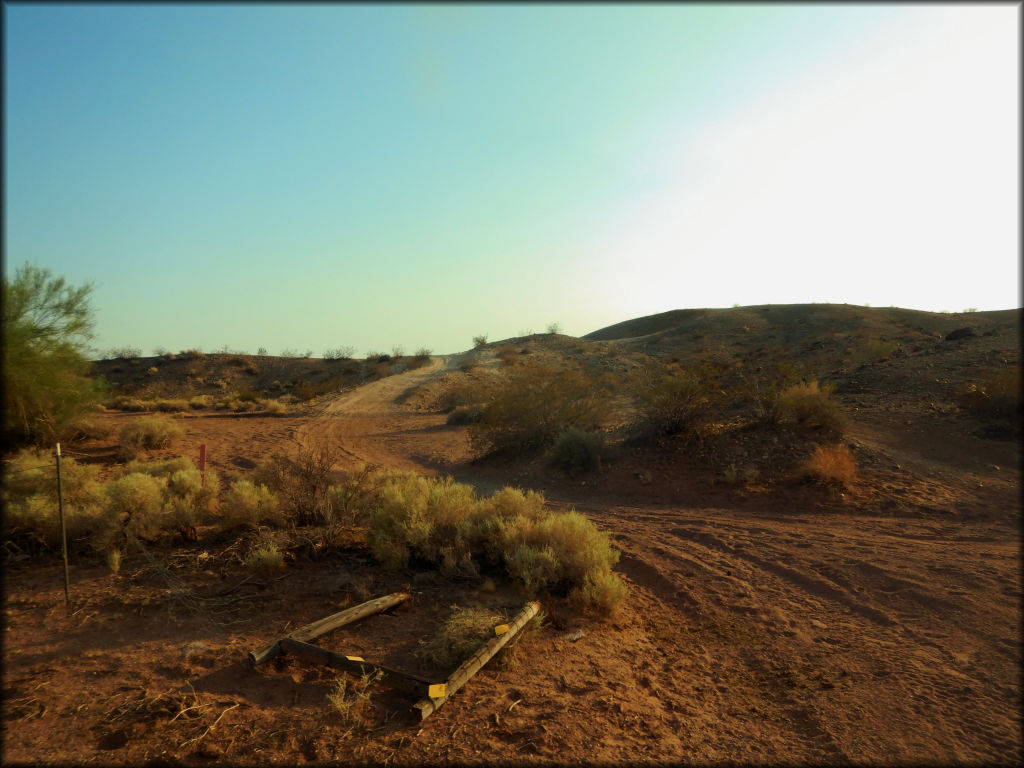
782, 625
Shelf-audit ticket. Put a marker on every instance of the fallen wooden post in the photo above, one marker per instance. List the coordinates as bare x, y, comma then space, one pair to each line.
329, 623
353, 664
475, 663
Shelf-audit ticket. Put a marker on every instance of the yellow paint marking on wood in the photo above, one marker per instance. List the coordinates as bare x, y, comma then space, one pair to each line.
500, 630
355, 658
437, 690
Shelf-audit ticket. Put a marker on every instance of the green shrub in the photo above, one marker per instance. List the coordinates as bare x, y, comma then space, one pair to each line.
444, 523
135, 508
995, 397
601, 594
189, 500
147, 433
31, 512
201, 401
810, 403
578, 451
160, 467
266, 559
248, 504
673, 401
480, 341
535, 406
765, 388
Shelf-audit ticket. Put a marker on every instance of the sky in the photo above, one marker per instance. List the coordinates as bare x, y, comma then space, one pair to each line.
312, 177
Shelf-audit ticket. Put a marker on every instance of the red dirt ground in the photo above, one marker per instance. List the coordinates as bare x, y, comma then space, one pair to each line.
762, 627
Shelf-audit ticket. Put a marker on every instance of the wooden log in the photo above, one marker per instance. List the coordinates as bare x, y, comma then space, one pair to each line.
475, 663
330, 623
354, 664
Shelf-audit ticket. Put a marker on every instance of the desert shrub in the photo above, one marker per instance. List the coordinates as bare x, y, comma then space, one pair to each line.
148, 433
350, 501
172, 405
765, 388
507, 354
272, 406
152, 370
459, 637
462, 634
34, 471
421, 358
601, 594
247, 503
464, 390
201, 401
134, 508
353, 700
810, 403
160, 467
444, 523
480, 341
189, 500
582, 550
831, 465
131, 404
31, 512
302, 482
674, 401
123, 353
265, 558
996, 397
86, 428
535, 406
339, 353
466, 414
578, 451
553, 328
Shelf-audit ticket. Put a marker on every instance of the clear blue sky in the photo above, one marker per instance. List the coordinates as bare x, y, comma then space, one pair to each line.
316, 176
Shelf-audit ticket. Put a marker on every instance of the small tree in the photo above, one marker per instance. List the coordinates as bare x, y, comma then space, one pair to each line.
47, 324
554, 328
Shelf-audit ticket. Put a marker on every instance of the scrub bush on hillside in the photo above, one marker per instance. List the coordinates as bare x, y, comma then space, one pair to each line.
534, 407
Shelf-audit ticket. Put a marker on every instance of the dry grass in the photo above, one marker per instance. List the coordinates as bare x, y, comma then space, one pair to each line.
465, 631
832, 465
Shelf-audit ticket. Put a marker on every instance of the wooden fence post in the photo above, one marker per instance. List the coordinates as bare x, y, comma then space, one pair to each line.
63, 532
476, 662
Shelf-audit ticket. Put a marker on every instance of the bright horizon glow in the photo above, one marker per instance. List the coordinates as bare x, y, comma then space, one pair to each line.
311, 177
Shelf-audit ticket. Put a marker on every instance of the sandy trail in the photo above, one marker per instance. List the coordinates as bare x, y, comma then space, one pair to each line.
370, 424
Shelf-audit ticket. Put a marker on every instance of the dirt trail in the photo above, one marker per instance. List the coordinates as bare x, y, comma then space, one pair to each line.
370, 425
